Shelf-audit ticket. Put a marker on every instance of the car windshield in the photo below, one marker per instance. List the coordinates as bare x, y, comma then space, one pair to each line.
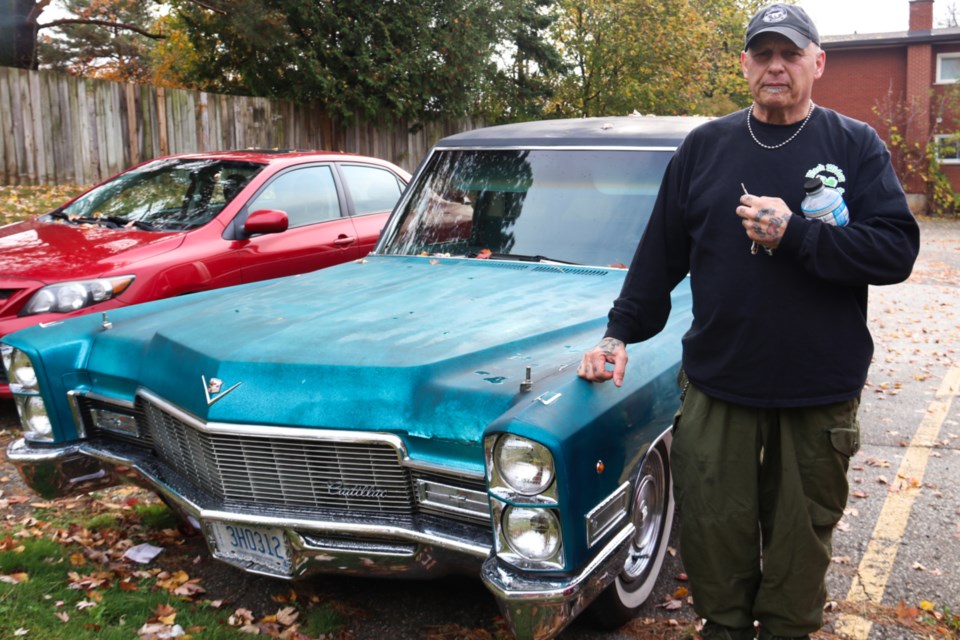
173, 194
571, 206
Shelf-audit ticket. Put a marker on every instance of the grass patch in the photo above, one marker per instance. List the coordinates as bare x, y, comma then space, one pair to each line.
103, 521
322, 619
156, 515
50, 600
60, 579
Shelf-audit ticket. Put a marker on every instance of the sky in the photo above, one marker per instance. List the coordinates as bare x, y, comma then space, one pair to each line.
842, 17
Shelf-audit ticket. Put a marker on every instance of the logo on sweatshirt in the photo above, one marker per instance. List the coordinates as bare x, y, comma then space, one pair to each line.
830, 175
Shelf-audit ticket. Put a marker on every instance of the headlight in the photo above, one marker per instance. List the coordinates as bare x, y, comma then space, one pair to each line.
65, 297
526, 466
532, 533
34, 419
20, 372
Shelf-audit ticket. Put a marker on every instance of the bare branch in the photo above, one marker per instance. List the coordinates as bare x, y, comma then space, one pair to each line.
102, 23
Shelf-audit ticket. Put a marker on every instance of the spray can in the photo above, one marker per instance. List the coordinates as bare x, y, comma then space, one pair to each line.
824, 203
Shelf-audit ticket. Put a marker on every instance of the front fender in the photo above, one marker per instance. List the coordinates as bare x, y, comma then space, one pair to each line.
598, 434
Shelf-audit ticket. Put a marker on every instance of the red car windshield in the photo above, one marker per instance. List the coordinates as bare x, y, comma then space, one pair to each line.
173, 194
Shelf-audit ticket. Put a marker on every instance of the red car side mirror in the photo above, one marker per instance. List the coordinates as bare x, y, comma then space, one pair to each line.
266, 221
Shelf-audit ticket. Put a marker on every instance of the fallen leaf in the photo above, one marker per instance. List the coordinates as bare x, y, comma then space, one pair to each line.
287, 616
672, 605
905, 614
189, 589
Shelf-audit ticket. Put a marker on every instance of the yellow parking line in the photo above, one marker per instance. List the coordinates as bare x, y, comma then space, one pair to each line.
877, 563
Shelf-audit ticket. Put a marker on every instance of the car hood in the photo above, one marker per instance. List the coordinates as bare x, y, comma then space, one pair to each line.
432, 348
50, 251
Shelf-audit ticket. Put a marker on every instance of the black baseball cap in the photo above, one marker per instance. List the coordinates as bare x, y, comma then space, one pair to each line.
788, 20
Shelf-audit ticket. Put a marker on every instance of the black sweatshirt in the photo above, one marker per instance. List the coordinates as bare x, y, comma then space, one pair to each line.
789, 329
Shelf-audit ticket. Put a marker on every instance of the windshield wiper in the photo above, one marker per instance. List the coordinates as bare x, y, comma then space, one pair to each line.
524, 258
144, 225
118, 222
112, 222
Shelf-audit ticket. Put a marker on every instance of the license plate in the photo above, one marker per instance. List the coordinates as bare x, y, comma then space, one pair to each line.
263, 546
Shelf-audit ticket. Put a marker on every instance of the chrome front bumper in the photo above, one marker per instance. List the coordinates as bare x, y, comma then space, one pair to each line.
421, 547
409, 547
539, 609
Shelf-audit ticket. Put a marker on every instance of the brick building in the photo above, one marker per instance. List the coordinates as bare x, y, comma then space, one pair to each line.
902, 75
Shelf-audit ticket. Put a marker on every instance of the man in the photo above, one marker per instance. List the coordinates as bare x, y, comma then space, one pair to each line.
778, 351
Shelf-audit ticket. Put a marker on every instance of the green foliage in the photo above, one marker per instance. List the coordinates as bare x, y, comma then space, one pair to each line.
374, 59
530, 64
677, 57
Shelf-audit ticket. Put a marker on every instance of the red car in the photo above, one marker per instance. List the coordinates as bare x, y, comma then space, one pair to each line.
187, 223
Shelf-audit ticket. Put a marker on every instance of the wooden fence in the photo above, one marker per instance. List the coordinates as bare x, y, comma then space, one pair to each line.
59, 129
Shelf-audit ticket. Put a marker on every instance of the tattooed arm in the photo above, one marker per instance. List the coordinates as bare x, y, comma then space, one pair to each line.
593, 366
764, 219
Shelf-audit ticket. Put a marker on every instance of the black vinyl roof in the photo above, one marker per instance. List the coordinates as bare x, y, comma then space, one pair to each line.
618, 131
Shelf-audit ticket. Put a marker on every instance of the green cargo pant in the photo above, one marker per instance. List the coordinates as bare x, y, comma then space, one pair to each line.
760, 491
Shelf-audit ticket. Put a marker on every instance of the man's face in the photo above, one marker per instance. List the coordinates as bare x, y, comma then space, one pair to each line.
781, 76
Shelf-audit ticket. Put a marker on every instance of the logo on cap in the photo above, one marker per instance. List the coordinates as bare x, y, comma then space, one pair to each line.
775, 14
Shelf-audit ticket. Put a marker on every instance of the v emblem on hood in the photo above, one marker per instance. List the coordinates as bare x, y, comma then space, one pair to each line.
212, 389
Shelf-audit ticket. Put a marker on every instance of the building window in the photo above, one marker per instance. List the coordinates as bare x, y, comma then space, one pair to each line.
948, 68
948, 148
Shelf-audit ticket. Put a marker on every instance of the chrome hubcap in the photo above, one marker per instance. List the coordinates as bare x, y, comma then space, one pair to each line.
648, 509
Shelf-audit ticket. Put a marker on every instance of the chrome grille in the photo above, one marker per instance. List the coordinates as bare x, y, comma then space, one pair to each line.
282, 472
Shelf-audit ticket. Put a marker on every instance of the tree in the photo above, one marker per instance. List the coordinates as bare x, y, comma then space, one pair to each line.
372, 59
651, 56
526, 76
108, 39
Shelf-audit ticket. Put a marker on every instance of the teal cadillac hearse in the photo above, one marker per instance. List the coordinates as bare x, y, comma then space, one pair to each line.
412, 414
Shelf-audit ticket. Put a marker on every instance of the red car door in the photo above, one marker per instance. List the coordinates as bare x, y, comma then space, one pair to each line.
371, 191
318, 235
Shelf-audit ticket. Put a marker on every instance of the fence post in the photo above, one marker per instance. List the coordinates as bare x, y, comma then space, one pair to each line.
162, 120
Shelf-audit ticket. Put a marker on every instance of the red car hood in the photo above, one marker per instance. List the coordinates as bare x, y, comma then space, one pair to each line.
50, 251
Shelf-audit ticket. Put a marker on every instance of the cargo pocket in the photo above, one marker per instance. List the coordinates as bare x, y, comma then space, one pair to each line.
846, 441
845, 437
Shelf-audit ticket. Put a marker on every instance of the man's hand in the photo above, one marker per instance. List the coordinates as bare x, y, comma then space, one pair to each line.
765, 219
593, 366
